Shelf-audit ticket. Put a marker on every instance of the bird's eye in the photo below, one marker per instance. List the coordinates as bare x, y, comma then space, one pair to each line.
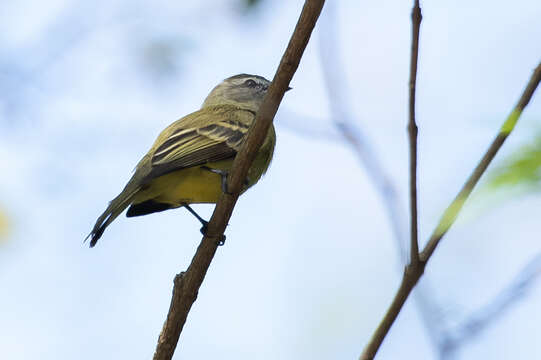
250, 83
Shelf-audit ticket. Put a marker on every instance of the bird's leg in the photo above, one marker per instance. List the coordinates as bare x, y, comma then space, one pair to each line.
223, 174
203, 222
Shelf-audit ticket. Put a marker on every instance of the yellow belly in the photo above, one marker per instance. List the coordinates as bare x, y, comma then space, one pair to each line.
186, 186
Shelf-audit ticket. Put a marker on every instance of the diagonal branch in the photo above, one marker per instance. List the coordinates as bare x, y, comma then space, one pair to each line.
186, 284
450, 214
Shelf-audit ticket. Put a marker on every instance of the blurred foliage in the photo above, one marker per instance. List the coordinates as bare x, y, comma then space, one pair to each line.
162, 58
4, 226
248, 4
521, 169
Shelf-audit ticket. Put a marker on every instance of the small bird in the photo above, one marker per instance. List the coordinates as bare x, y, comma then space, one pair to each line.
190, 159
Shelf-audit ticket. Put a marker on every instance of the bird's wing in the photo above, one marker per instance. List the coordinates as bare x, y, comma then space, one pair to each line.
188, 144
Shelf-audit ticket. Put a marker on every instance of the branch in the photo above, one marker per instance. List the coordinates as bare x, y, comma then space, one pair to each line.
414, 269
412, 274
450, 214
186, 284
416, 18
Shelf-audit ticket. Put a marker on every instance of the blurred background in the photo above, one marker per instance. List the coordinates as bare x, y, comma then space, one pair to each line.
311, 261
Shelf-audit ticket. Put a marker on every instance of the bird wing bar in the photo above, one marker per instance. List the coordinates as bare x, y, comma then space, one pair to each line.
195, 146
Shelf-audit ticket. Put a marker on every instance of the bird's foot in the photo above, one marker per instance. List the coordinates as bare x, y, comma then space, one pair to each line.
205, 224
204, 229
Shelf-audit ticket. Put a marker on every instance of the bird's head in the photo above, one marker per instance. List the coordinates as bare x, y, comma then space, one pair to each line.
243, 90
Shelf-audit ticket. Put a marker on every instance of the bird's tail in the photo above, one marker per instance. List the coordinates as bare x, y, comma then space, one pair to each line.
115, 208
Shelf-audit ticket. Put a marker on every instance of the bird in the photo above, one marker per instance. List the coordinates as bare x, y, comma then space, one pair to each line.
190, 159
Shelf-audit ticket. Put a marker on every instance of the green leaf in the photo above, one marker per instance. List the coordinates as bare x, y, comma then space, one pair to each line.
520, 169
4, 226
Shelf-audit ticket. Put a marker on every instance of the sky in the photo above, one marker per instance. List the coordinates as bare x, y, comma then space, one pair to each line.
310, 263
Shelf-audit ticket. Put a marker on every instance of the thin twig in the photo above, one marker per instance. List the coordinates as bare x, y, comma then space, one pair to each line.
416, 18
412, 275
415, 268
450, 214
187, 284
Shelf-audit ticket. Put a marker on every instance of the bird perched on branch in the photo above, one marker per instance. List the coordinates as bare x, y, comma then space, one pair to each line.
190, 159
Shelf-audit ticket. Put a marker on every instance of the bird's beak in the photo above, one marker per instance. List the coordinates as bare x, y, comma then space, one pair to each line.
288, 88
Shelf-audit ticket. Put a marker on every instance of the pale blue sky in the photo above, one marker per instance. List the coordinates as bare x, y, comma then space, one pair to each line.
309, 265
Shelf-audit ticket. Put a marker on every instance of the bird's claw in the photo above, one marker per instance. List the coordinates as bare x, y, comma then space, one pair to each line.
204, 230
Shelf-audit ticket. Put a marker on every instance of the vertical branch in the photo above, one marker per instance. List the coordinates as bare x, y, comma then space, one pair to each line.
415, 268
416, 18
187, 284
